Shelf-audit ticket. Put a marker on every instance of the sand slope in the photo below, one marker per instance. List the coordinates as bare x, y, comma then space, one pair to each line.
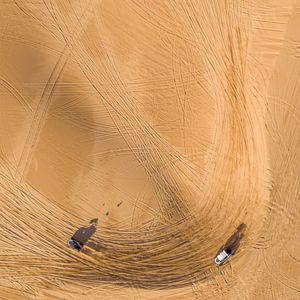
172, 122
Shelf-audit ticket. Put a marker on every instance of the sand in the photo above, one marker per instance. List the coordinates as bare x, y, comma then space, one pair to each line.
172, 122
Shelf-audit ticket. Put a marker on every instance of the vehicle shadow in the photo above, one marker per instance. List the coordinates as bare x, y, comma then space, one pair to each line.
96, 246
83, 234
233, 242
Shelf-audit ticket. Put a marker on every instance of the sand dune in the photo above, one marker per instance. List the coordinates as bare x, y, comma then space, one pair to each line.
172, 122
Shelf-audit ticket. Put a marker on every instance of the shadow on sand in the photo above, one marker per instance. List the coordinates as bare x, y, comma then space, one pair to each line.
233, 242
83, 234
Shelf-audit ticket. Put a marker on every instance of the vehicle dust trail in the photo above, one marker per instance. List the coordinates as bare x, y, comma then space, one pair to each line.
212, 60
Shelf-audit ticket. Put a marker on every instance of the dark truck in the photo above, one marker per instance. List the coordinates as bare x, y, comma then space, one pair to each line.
82, 235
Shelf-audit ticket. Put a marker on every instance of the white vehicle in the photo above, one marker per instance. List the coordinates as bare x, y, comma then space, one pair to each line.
223, 256
231, 246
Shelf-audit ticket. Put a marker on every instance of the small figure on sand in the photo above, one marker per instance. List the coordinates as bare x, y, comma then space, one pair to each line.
82, 235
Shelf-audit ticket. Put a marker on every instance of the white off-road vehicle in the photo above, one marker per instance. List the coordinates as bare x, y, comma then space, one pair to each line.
223, 256
231, 245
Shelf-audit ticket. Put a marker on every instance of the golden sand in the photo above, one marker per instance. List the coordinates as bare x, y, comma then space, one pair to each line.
172, 122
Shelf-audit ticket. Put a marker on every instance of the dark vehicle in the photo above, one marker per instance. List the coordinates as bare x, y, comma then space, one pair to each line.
231, 245
82, 236
74, 245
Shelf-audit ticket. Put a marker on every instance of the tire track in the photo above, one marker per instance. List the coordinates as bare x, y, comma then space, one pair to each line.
16, 94
40, 114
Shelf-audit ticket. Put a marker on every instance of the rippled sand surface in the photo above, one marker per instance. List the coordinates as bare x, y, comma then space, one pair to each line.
172, 122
